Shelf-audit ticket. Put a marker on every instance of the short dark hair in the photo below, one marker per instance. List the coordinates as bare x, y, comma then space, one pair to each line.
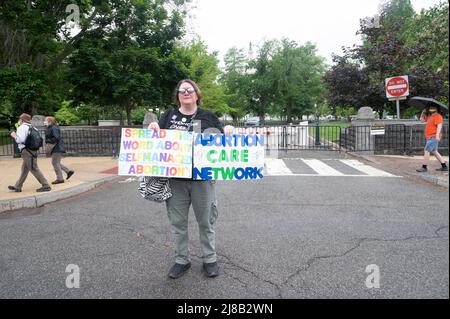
196, 88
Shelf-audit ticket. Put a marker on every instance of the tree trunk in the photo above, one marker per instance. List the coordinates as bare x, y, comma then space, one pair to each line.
128, 110
121, 118
289, 111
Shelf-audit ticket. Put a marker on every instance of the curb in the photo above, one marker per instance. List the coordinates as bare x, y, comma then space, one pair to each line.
427, 178
40, 200
432, 179
363, 157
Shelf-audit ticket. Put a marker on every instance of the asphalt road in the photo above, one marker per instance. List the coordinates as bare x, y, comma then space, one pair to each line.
283, 237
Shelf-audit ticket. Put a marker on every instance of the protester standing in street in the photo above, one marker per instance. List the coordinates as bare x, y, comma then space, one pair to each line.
55, 149
433, 134
201, 194
29, 157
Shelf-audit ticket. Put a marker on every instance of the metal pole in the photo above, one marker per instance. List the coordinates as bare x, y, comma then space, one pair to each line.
398, 108
317, 132
317, 142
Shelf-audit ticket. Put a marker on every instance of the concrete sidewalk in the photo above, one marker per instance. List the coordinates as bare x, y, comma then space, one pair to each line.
90, 172
407, 165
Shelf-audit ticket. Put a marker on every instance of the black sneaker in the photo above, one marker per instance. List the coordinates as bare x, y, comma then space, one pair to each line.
442, 169
70, 174
422, 170
211, 269
13, 188
58, 181
44, 189
178, 270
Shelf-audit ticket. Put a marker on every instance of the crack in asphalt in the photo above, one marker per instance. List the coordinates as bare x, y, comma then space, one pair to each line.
360, 241
233, 264
279, 287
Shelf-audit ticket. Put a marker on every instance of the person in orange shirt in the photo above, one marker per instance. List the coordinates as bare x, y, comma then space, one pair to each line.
433, 134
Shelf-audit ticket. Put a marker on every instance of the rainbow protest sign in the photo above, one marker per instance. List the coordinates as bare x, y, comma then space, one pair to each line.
228, 157
163, 153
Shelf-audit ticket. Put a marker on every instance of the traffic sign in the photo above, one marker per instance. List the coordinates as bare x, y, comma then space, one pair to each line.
397, 87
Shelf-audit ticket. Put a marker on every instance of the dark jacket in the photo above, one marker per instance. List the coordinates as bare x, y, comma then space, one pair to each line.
53, 136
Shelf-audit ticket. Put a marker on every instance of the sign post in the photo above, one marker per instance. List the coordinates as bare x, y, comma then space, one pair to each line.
397, 89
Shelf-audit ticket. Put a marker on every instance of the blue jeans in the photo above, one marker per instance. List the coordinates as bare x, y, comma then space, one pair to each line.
432, 145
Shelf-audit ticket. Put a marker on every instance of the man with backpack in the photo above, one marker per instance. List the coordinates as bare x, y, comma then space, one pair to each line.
29, 140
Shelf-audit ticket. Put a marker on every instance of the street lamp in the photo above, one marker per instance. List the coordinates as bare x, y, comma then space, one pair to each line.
317, 143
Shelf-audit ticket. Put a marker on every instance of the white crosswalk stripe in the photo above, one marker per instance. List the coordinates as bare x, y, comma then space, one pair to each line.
276, 167
369, 170
318, 168
321, 168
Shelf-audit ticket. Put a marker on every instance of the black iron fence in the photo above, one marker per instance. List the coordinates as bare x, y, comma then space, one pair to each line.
79, 141
297, 137
397, 139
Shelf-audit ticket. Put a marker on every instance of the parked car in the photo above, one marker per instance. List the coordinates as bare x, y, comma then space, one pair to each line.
252, 121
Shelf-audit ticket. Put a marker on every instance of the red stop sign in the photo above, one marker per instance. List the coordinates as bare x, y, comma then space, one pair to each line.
397, 86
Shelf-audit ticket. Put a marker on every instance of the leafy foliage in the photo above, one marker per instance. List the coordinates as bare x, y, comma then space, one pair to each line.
404, 43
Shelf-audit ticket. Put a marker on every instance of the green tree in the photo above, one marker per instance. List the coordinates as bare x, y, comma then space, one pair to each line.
298, 74
403, 43
233, 80
66, 115
34, 35
261, 81
130, 61
203, 68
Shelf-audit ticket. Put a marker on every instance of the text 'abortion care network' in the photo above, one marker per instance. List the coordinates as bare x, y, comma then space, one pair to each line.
228, 157
181, 154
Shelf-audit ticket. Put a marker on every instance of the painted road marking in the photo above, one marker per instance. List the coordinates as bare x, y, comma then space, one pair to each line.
277, 167
369, 170
321, 168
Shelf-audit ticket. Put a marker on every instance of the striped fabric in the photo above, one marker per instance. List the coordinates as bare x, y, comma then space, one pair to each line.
155, 188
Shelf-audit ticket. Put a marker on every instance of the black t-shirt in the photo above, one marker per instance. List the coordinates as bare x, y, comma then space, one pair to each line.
173, 119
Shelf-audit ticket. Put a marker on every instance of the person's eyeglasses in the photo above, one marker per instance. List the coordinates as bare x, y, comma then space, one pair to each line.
188, 90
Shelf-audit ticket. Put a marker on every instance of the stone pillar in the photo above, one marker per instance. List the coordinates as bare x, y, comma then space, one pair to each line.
38, 121
364, 142
149, 118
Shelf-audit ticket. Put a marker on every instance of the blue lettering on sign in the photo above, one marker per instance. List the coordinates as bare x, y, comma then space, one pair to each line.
227, 173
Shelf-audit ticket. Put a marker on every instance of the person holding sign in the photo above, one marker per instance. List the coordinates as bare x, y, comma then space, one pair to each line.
201, 194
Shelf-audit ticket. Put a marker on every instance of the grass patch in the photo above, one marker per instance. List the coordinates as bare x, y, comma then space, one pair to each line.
329, 131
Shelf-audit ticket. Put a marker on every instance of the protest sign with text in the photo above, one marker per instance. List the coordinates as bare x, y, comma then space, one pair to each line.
228, 157
163, 153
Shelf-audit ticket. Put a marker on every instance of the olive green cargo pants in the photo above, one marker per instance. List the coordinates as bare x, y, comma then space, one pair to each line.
202, 196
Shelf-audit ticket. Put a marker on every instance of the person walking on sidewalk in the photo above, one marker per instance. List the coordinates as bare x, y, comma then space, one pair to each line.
55, 148
433, 134
201, 194
29, 157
